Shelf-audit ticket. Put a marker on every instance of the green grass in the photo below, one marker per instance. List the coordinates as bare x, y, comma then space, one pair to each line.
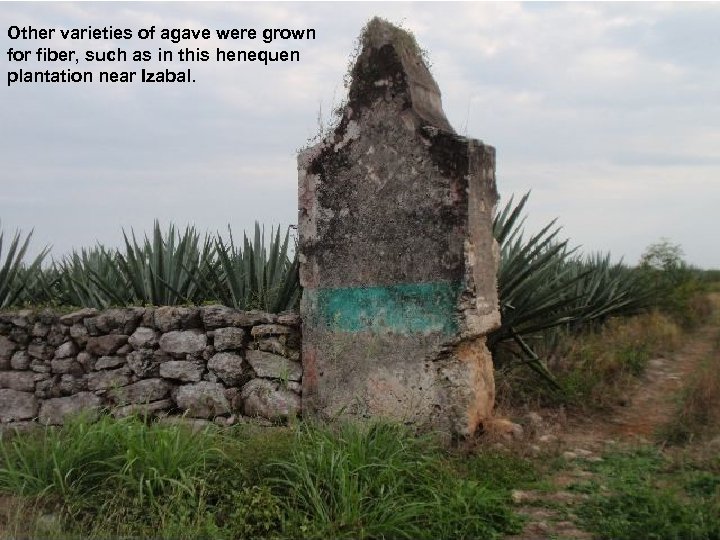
129, 478
645, 497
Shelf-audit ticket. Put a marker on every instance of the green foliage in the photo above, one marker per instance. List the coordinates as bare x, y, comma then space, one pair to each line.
499, 470
663, 255
678, 289
90, 278
592, 365
256, 276
171, 269
543, 284
85, 458
380, 481
643, 500
15, 277
128, 478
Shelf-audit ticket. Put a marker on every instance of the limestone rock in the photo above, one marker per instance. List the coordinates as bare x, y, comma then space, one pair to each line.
234, 397
115, 321
202, 400
40, 330
143, 409
143, 391
86, 360
78, 316
57, 335
269, 400
504, 428
228, 367
289, 318
109, 362
102, 380
169, 318
264, 330
20, 360
55, 411
105, 345
79, 334
16, 405
272, 366
23, 381
144, 338
71, 384
66, 365
274, 345
143, 363
219, 316
66, 350
7, 348
40, 351
40, 366
182, 370
23, 318
183, 342
19, 336
228, 338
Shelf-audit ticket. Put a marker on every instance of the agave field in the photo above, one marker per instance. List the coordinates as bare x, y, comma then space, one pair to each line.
544, 283
169, 268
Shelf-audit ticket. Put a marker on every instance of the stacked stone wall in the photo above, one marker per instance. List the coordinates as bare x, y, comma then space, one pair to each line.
209, 362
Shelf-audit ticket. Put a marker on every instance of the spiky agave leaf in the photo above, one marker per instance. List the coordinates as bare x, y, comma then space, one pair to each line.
170, 269
14, 275
92, 278
258, 276
543, 284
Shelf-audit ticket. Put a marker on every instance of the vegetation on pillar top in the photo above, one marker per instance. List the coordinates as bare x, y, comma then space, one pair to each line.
390, 63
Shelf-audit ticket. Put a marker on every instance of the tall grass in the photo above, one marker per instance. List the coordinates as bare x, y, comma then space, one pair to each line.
128, 478
380, 481
592, 367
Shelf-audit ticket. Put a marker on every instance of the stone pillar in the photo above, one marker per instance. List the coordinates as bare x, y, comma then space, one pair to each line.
398, 260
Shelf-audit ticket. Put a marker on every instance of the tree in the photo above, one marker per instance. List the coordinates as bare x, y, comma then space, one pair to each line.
663, 255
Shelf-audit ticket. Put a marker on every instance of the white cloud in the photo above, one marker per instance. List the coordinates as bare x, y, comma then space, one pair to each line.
608, 111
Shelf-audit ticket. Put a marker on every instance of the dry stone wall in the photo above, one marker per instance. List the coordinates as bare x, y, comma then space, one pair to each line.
209, 362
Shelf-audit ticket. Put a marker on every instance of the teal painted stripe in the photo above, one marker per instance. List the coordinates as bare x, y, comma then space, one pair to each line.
409, 308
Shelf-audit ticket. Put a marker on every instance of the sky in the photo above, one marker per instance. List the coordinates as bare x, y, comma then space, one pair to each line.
608, 112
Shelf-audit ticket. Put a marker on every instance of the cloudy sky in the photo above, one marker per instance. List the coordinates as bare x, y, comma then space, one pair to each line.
609, 112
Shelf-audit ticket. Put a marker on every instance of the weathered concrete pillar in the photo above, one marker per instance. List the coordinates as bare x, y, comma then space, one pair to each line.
398, 260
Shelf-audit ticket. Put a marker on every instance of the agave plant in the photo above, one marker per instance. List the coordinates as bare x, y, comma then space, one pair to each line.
91, 278
15, 277
604, 289
256, 276
543, 284
170, 269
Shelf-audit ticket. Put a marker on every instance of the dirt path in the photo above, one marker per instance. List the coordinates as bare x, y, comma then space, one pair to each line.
583, 439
